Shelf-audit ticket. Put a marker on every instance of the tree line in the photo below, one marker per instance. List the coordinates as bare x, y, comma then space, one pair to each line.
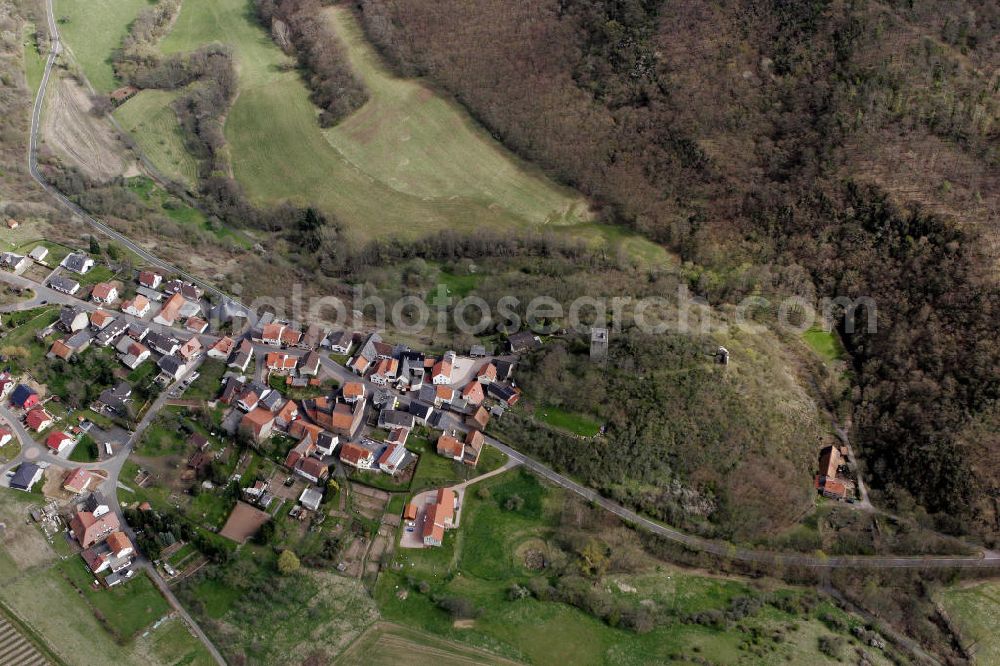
298, 27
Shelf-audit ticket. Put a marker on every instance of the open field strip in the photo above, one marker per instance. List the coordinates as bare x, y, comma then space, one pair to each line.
153, 124
975, 610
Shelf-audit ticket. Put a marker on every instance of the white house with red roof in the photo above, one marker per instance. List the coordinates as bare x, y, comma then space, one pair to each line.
58, 441
104, 292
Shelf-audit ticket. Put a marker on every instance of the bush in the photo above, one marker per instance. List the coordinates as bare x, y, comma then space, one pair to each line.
514, 503
460, 608
288, 563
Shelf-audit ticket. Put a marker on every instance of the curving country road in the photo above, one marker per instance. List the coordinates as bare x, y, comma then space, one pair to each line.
125, 241
112, 481
985, 559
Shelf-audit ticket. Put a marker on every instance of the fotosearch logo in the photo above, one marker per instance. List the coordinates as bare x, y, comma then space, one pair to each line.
441, 313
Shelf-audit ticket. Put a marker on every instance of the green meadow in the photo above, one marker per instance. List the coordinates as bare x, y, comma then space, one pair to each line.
153, 124
93, 29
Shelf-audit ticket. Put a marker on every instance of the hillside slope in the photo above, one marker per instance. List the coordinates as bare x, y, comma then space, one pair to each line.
857, 141
435, 170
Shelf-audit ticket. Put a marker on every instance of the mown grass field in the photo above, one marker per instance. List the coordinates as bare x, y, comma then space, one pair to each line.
151, 121
578, 424
975, 609
482, 558
387, 644
93, 29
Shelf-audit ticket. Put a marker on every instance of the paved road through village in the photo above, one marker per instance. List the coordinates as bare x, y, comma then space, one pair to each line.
114, 465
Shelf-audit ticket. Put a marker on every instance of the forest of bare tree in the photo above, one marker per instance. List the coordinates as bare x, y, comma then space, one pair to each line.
856, 141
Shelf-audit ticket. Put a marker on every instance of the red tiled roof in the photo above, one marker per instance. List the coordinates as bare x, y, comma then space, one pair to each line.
139, 303
55, 440
257, 419
118, 542
102, 290
171, 308
99, 318
271, 332
449, 446
77, 480
473, 392
224, 345
353, 453
148, 278
442, 367
446, 503
354, 390
195, 324
279, 361
387, 367
314, 467
61, 349
36, 417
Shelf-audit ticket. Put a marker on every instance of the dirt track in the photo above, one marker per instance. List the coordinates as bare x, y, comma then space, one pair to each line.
85, 141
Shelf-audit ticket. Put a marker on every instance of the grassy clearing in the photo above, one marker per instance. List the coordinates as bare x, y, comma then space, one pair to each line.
99, 273
396, 504
976, 611
578, 424
427, 167
434, 471
127, 609
459, 286
248, 608
621, 242
172, 643
57, 251
93, 29
387, 644
825, 343
85, 450
34, 60
20, 336
151, 121
208, 383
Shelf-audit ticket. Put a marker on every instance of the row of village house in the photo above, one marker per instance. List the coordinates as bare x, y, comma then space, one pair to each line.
320, 425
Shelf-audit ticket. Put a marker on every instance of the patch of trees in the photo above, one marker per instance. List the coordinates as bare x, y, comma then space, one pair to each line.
684, 442
156, 530
298, 27
452, 245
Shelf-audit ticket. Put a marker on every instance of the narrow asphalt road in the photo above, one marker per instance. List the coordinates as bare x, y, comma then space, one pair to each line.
36, 114
985, 559
691, 541
36, 117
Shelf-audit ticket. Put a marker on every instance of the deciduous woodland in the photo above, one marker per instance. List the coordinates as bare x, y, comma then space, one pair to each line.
854, 142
